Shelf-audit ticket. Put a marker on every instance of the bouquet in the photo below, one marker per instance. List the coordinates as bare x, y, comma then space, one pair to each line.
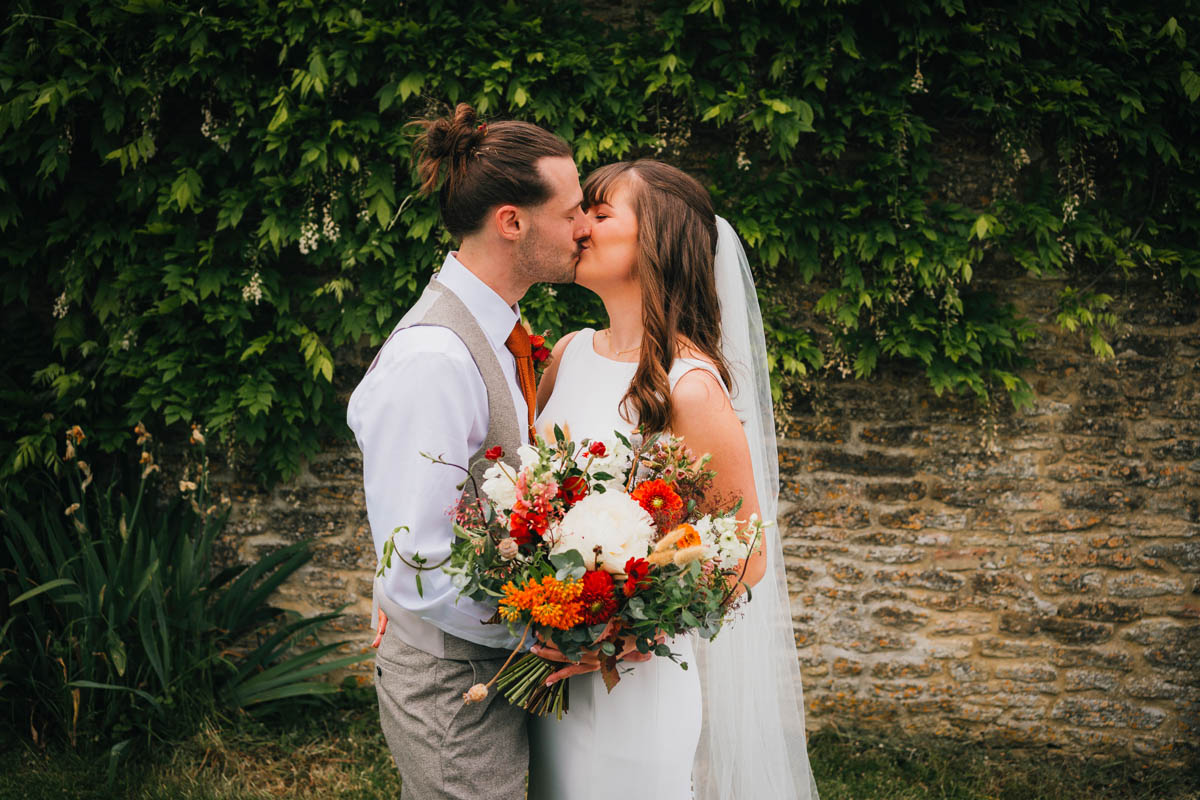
596, 547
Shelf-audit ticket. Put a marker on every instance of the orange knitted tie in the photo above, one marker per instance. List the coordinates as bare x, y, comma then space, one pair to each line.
518, 344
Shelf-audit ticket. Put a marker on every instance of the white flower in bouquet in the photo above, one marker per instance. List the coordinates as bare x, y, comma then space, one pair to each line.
616, 460
499, 486
529, 456
721, 538
612, 521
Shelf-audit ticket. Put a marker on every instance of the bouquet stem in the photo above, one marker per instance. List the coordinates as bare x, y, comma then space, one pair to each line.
524, 684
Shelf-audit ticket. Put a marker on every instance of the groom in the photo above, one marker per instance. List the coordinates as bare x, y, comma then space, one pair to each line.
453, 380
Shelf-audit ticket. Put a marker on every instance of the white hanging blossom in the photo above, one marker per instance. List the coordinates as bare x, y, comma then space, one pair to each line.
310, 237
252, 292
61, 306
329, 228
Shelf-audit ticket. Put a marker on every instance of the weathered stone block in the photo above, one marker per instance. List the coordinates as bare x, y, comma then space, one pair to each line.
822, 430
965, 559
1027, 673
1079, 680
869, 463
896, 435
1100, 498
890, 669
1086, 657
894, 555
968, 671
1185, 555
1187, 450
1096, 713
961, 625
841, 516
894, 491
1069, 631
846, 667
912, 519
1100, 610
1139, 585
1169, 645
844, 572
1008, 584
1055, 523
906, 619
1069, 582
936, 579
1007, 648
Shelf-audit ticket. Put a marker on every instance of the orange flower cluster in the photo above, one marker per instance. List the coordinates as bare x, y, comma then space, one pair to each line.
552, 603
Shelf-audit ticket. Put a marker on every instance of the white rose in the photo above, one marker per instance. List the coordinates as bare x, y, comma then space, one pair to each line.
498, 485
612, 521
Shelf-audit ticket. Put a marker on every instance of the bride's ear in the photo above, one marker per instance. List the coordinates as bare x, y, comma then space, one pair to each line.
508, 222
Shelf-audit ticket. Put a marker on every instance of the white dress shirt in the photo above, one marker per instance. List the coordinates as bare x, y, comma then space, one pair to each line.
424, 394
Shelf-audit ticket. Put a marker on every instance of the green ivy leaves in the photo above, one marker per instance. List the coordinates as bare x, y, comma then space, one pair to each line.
204, 214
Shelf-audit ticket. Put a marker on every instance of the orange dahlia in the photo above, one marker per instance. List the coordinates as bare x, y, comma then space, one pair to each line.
661, 502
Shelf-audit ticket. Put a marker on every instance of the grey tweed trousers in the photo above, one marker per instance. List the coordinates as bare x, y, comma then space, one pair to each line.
444, 748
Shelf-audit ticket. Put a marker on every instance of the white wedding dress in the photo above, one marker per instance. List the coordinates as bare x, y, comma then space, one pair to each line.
641, 739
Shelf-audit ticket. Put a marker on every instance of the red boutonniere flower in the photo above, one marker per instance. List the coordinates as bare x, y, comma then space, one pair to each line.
540, 352
493, 453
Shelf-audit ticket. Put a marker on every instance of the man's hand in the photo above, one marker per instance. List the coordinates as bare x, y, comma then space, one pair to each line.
589, 661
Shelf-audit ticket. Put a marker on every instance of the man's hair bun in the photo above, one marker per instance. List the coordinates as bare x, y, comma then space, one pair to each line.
446, 145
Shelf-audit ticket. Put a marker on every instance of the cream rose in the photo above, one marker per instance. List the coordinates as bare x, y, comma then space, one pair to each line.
612, 521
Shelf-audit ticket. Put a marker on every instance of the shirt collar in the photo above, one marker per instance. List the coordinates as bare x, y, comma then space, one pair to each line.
494, 316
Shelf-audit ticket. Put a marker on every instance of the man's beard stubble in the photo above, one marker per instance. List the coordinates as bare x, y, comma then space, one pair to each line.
538, 263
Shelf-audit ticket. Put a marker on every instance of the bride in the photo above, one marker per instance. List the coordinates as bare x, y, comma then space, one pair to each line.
684, 352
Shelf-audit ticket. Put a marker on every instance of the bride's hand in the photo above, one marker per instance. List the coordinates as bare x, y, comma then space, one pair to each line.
588, 662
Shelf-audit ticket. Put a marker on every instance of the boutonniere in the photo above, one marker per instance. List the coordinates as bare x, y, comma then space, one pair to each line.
541, 353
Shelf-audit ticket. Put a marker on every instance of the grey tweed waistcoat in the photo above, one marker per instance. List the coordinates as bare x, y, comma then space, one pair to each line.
440, 307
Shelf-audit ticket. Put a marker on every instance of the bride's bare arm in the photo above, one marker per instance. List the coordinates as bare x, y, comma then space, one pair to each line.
702, 415
546, 383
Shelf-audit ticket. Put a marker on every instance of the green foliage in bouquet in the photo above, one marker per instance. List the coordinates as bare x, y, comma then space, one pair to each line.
119, 631
201, 206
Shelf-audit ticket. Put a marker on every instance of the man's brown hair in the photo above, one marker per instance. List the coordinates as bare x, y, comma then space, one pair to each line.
475, 165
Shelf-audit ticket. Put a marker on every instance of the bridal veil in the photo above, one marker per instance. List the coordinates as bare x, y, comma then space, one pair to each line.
753, 743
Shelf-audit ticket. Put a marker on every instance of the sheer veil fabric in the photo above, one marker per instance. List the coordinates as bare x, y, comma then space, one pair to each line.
753, 744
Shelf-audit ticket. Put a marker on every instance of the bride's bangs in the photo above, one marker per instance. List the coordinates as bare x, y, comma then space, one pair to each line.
600, 185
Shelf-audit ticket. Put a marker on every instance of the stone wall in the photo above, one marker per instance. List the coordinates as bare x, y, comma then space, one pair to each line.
1030, 575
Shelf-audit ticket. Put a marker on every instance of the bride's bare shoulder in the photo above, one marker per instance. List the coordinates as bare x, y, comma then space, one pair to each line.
686, 348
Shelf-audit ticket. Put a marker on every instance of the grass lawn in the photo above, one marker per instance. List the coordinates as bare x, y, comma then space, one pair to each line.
339, 753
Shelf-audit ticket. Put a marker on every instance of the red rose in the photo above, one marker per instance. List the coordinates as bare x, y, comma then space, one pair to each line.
597, 449
536, 341
573, 489
598, 600
493, 453
636, 572
540, 354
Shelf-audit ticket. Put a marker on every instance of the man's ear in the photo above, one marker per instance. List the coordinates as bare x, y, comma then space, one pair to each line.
508, 221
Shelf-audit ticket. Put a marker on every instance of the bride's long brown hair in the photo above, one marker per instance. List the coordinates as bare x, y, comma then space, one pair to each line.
677, 244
